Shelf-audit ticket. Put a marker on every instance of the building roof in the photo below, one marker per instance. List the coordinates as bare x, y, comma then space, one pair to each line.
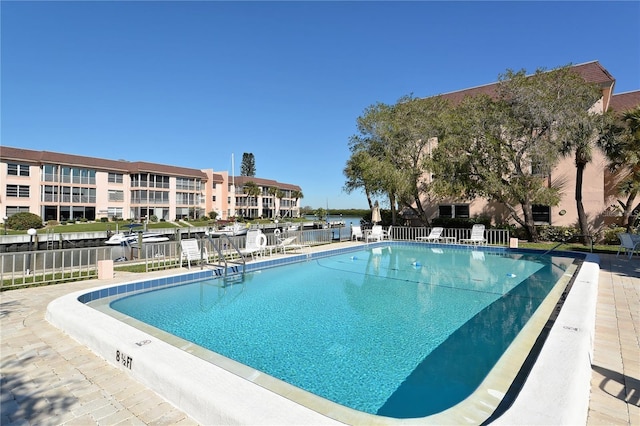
625, 101
48, 157
241, 180
592, 72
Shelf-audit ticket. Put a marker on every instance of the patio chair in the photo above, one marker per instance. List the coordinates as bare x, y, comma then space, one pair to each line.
356, 233
434, 235
191, 252
256, 243
477, 236
629, 244
377, 233
288, 243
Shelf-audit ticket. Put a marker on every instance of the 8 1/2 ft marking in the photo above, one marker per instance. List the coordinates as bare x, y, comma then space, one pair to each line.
124, 359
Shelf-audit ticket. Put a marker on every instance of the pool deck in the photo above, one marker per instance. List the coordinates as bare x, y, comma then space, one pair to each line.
47, 378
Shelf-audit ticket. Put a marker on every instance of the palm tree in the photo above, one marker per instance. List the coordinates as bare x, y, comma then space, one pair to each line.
297, 195
279, 196
272, 191
622, 146
252, 190
582, 134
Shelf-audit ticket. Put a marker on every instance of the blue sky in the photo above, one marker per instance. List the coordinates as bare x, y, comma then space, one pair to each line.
191, 83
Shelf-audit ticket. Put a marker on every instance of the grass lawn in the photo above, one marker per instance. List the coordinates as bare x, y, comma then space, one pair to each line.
597, 248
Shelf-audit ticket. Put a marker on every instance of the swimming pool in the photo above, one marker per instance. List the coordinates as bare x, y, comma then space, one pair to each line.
351, 318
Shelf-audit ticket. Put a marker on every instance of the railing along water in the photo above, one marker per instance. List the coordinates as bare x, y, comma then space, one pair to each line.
43, 267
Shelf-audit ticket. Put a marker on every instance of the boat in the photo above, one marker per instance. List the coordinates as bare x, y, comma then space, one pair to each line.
230, 230
129, 239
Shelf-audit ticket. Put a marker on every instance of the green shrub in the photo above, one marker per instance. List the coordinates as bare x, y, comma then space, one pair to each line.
153, 218
23, 221
557, 233
104, 219
611, 235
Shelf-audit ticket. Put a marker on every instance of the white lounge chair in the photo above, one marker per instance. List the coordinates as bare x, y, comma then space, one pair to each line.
434, 235
190, 251
356, 233
477, 236
256, 243
288, 243
376, 233
629, 244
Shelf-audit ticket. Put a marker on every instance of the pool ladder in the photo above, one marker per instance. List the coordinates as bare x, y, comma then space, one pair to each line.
229, 279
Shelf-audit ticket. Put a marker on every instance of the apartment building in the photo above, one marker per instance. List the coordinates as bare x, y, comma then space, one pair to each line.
66, 187
597, 190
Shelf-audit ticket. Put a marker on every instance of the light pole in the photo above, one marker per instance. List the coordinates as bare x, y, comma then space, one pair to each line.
32, 232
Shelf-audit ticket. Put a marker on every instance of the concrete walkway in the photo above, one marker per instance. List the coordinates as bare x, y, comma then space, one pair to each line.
615, 381
49, 379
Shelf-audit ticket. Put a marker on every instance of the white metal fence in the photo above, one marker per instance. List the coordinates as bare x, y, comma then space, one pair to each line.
43, 267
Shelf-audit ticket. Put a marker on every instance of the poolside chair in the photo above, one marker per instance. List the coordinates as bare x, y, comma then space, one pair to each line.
376, 233
356, 233
386, 235
256, 243
629, 244
191, 252
477, 236
288, 243
434, 235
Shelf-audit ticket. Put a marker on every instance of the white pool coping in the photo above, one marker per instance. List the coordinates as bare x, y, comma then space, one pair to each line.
215, 390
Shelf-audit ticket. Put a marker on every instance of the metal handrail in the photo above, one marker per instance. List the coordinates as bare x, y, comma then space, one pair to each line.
224, 258
566, 240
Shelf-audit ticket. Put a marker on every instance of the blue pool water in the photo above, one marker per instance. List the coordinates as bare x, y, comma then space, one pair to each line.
402, 331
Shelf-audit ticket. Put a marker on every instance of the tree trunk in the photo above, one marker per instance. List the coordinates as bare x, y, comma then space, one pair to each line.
628, 210
530, 227
369, 200
582, 216
392, 203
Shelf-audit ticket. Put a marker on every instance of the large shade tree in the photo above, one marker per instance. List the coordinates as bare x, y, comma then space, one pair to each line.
368, 168
416, 125
504, 147
389, 155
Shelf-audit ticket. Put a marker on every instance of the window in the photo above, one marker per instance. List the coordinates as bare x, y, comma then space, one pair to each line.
541, 214
17, 169
539, 168
158, 197
453, 210
11, 210
159, 181
185, 198
116, 195
115, 177
114, 212
186, 184
49, 193
20, 191
445, 211
50, 173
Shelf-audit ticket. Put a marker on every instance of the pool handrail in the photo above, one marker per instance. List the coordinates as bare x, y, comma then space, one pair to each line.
222, 257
